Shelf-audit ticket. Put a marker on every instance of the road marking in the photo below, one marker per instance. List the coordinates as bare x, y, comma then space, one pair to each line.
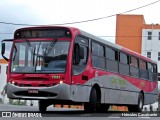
113, 117
144, 117
85, 115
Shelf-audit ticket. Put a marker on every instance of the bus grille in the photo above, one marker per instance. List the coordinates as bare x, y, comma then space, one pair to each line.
39, 94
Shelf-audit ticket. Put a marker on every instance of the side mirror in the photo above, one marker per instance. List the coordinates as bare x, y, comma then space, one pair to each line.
3, 48
3, 51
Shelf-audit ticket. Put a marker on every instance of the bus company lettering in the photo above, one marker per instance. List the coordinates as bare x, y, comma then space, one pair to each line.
14, 114
139, 114
33, 91
118, 81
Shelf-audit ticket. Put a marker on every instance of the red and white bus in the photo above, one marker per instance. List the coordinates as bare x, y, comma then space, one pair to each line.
65, 65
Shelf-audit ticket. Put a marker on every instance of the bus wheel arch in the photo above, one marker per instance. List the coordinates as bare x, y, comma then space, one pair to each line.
141, 100
101, 108
98, 91
140, 103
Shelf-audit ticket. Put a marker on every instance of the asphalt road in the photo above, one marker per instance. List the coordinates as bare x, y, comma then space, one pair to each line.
24, 112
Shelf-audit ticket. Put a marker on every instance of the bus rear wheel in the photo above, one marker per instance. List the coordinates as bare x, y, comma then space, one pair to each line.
139, 106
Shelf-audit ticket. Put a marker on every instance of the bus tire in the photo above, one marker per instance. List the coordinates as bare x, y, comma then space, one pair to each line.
139, 106
42, 106
92, 104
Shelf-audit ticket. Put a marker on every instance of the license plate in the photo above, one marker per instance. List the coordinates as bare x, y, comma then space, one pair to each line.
33, 91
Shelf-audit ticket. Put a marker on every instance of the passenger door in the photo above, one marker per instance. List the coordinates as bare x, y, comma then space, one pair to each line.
79, 65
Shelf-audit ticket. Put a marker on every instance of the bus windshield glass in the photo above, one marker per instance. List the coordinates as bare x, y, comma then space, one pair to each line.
40, 57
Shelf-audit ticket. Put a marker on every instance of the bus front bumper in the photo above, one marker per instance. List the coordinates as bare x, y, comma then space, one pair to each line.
59, 91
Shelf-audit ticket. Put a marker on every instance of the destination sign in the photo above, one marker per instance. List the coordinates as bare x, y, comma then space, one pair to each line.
41, 33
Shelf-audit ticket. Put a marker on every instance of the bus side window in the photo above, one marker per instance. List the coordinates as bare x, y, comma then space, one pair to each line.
134, 71
124, 63
98, 59
150, 71
143, 69
111, 59
155, 68
155, 72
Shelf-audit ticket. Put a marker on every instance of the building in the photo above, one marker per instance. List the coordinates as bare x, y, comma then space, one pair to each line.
133, 33
3, 76
3, 73
151, 42
129, 31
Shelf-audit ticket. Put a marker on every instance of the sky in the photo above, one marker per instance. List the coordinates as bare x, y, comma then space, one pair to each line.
47, 12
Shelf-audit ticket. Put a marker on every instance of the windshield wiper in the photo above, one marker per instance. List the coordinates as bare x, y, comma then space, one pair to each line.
15, 52
30, 48
50, 47
37, 56
27, 41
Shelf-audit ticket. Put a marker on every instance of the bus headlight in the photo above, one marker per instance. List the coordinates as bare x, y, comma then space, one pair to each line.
13, 82
61, 82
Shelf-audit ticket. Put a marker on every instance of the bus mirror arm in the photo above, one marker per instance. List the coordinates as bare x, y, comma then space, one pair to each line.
5, 57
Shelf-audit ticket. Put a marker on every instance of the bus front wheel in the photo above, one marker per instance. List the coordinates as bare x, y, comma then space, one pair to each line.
42, 106
92, 104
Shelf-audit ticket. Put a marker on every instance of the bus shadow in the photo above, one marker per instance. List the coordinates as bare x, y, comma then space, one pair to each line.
79, 113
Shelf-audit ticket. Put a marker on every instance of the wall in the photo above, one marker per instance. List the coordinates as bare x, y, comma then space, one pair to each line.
152, 46
129, 31
3, 76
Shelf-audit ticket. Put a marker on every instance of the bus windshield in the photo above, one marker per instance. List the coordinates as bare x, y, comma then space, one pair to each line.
39, 57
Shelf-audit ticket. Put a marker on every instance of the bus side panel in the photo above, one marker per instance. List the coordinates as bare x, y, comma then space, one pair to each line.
150, 97
80, 93
115, 89
111, 92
